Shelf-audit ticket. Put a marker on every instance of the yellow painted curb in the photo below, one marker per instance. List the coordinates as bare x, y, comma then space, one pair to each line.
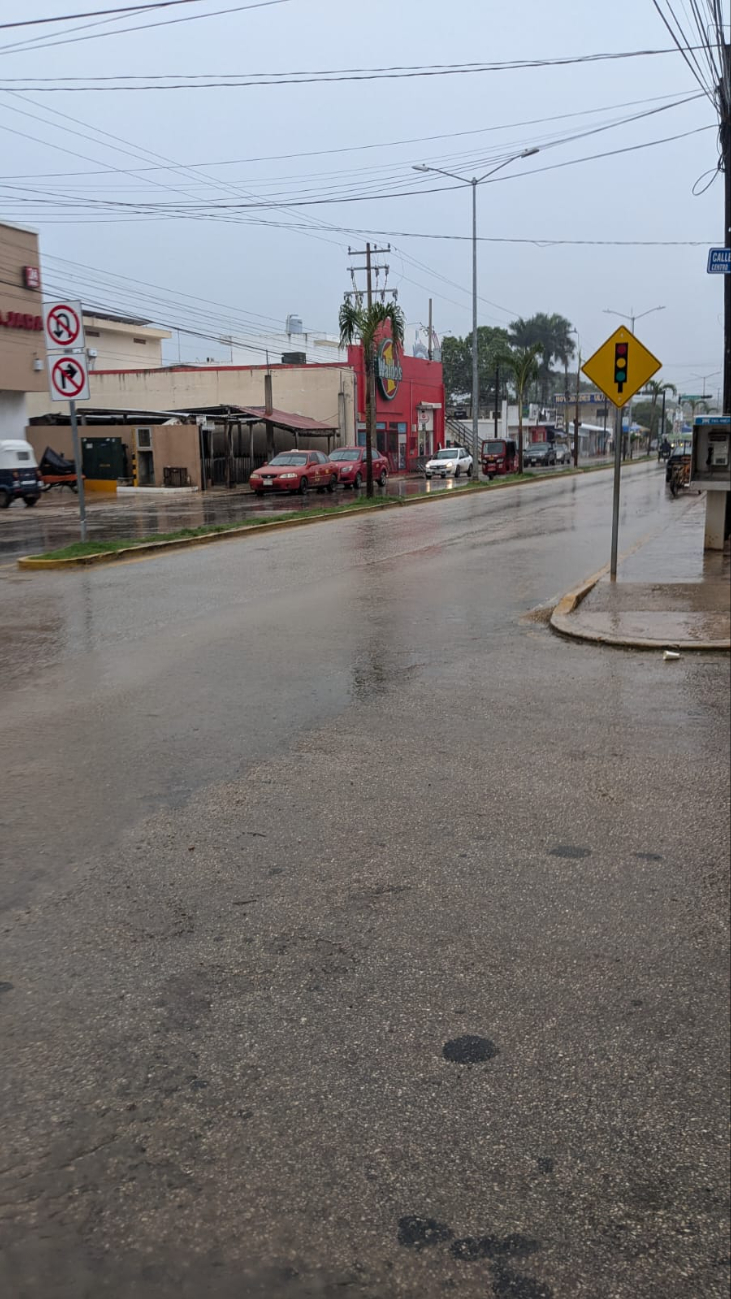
37, 563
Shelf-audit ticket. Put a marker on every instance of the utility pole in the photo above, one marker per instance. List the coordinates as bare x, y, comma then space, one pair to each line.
430, 344
370, 361
661, 430
497, 402
724, 110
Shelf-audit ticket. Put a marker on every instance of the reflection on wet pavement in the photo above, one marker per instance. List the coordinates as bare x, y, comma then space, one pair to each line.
55, 520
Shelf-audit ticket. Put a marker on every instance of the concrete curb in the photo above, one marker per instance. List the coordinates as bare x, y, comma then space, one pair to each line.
36, 563
561, 622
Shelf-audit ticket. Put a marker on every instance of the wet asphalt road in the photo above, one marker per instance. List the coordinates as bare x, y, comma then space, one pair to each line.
54, 521
296, 827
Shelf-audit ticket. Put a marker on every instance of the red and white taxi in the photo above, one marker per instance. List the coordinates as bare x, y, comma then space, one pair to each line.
294, 471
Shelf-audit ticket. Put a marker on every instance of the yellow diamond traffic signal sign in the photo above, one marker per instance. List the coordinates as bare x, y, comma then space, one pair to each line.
621, 366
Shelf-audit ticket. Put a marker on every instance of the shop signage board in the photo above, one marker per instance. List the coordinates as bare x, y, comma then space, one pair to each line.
388, 370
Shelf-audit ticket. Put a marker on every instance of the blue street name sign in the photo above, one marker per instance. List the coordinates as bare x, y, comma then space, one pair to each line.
719, 261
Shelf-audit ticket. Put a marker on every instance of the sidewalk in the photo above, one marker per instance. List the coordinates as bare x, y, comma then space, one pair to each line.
668, 595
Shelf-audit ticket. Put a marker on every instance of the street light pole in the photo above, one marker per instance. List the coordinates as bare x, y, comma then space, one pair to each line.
474, 181
475, 367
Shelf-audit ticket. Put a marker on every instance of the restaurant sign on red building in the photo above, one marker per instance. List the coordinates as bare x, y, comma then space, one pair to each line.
409, 405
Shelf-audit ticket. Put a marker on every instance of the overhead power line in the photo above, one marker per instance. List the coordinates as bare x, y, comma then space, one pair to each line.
217, 80
20, 47
98, 13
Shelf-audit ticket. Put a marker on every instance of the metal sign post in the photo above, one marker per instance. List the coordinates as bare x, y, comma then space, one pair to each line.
79, 467
619, 368
615, 496
68, 375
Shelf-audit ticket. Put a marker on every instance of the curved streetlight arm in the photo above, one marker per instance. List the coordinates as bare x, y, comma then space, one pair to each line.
474, 180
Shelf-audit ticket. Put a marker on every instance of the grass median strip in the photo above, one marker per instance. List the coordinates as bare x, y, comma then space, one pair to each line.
86, 551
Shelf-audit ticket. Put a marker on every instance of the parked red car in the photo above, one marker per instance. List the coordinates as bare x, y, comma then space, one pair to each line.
499, 456
351, 463
294, 471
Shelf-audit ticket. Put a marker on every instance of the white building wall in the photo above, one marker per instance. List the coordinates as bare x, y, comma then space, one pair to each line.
13, 414
123, 347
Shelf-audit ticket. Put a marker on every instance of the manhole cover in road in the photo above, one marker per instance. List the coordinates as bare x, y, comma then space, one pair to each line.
469, 1049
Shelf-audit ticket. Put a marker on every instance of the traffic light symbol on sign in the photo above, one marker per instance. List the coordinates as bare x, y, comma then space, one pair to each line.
620, 365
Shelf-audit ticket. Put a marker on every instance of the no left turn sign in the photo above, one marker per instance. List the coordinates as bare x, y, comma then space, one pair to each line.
68, 378
63, 324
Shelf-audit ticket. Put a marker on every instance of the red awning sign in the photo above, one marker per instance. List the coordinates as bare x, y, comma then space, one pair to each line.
68, 378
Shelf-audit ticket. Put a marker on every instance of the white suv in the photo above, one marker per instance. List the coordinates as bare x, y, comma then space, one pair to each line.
449, 462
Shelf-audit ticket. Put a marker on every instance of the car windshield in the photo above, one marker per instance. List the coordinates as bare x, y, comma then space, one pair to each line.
345, 455
495, 448
539, 446
446, 453
289, 458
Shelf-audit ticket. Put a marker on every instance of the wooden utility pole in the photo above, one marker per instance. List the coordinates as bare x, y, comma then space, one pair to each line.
369, 355
430, 344
724, 96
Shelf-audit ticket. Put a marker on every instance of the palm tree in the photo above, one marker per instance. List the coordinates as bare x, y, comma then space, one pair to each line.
552, 334
656, 389
368, 324
524, 364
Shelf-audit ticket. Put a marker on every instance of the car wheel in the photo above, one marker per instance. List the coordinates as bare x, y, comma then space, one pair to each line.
256, 493
383, 478
304, 486
428, 477
469, 472
31, 500
4, 500
331, 484
357, 482
457, 472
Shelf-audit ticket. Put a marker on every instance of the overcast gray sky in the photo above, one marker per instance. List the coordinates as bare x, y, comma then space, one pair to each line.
262, 272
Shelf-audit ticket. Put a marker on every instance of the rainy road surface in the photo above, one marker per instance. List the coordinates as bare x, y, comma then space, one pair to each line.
360, 936
54, 522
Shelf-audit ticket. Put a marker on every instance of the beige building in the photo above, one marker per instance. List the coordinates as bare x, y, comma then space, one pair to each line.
22, 349
321, 392
122, 343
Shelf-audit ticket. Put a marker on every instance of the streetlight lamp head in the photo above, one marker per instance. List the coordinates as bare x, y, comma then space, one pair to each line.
419, 166
528, 153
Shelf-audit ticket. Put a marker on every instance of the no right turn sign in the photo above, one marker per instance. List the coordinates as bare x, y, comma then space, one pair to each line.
68, 377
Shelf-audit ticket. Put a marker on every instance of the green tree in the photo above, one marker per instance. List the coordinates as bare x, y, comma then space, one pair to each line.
552, 335
492, 347
524, 364
368, 325
655, 388
647, 414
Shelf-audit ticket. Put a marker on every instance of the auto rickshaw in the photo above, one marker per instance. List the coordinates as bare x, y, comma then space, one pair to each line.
499, 456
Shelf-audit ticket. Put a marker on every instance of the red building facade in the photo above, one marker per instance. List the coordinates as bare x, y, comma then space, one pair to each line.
409, 405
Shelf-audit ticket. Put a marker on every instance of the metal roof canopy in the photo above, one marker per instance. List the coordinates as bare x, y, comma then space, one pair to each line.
259, 415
